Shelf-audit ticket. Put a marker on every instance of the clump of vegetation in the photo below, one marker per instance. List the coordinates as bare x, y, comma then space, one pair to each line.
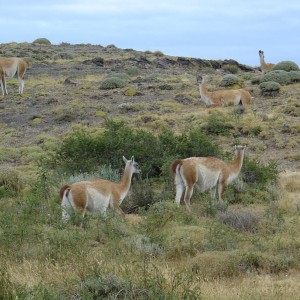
292, 108
240, 220
42, 41
294, 76
286, 66
131, 92
112, 83
231, 68
217, 124
230, 80
279, 76
270, 88
10, 182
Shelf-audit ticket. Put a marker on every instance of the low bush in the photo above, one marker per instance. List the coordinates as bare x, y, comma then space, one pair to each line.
112, 83
279, 76
286, 66
230, 80
270, 88
294, 76
42, 41
231, 68
217, 124
240, 220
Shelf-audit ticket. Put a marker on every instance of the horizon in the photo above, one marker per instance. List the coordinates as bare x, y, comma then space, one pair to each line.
215, 30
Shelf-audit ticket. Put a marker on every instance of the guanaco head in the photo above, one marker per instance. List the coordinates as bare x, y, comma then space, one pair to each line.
238, 148
133, 164
261, 53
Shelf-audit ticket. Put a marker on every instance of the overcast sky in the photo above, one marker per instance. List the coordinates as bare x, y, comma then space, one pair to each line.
208, 29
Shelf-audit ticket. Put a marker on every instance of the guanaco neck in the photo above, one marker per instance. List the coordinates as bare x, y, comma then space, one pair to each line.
126, 180
262, 61
204, 93
237, 164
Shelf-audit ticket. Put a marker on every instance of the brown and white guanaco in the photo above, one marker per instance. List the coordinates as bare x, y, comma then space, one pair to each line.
222, 97
99, 194
206, 173
11, 66
263, 65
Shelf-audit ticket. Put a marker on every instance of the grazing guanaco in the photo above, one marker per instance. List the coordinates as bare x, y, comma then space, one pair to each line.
98, 194
263, 65
207, 173
222, 97
11, 66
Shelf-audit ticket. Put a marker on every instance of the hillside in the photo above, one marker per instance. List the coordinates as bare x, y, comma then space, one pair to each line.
165, 96
247, 249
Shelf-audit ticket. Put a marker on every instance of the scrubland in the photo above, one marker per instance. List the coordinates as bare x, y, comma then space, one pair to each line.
124, 102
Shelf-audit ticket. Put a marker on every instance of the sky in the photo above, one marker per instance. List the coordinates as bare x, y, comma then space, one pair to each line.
206, 29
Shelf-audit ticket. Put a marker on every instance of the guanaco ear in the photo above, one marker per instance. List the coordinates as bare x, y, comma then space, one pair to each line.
125, 160
132, 158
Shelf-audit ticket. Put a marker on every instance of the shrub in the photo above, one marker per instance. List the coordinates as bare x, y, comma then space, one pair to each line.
130, 92
240, 220
269, 88
231, 68
112, 83
294, 76
286, 66
10, 182
80, 152
217, 124
230, 80
42, 41
259, 175
279, 76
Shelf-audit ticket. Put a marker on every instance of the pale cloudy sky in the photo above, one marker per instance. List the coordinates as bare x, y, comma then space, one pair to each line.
208, 29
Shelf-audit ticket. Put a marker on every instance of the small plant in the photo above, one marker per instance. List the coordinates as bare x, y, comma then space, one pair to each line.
270, 88
230, 80
42, 41
279, 76
112, 83
286, 66
131, 92
240, 220
294, 76
231, 68
158, 53
217, 124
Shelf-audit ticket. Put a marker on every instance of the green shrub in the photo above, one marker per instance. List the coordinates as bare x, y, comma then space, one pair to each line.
82, 152
230, 80
217, 124
270, 88
279, 76
259, 175
294, 76
286, 66
42, 41
133, 71
240, 220
112, 83
231, 68
10, 182
130, 92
